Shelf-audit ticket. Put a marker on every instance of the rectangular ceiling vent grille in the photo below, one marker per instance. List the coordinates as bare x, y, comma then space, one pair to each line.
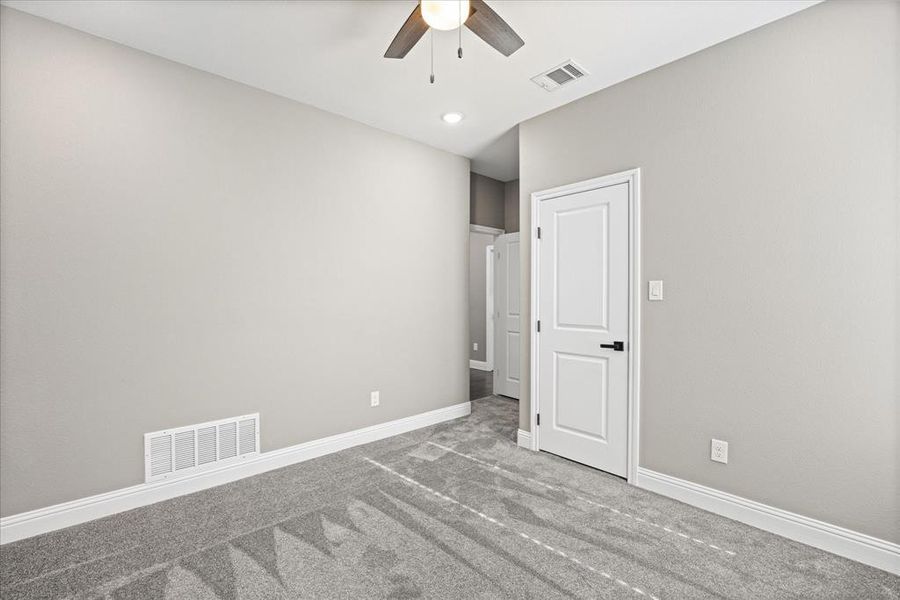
560, 75
187, 450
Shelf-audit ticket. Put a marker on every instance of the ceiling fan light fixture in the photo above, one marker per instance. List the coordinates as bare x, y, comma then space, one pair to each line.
445, 15
452, 118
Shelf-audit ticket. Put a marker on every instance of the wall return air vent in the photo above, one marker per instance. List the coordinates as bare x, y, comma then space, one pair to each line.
186, 450
560, 75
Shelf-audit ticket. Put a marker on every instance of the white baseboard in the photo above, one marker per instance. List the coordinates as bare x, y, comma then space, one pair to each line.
480, 365
43, 520
523, 439
831, 538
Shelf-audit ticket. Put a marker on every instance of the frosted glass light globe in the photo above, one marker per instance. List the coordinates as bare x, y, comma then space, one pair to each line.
445, 14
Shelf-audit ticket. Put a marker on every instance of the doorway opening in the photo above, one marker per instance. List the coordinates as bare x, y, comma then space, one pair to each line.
481, 310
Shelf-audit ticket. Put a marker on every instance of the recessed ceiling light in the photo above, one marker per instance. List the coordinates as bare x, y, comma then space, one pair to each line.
452, 118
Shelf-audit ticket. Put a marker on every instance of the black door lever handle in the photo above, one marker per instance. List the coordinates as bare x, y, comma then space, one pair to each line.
617, 346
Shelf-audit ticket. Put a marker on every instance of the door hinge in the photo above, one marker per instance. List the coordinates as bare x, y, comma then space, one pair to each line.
539, 418
539, 233
539, 326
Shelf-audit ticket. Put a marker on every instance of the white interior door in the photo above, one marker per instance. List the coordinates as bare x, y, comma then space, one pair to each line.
507, 333
583, 313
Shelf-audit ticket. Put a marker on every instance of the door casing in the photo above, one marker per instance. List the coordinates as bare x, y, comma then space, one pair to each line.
633, 178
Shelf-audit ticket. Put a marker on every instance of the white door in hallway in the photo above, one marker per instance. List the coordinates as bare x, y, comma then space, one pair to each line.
583, 313
507, 333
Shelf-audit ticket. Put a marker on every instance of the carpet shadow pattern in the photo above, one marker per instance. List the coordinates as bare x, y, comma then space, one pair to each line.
455, 510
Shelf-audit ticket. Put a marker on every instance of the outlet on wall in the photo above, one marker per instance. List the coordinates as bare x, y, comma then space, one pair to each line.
718, 451
475, 346
374, 398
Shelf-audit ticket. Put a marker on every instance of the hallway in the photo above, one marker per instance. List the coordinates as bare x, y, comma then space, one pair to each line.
481, 384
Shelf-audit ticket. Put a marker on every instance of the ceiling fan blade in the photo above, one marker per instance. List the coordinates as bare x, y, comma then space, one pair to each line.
411, 32
488, 25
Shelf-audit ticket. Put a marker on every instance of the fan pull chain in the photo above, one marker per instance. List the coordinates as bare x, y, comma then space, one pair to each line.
459, 51
432, 55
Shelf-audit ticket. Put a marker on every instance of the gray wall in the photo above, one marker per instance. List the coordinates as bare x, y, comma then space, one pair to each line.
511, 205
478, 242
486, 201
177, 248
770, 208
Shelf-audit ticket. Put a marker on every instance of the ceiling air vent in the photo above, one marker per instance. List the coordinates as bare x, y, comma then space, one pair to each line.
560, 75
187, 450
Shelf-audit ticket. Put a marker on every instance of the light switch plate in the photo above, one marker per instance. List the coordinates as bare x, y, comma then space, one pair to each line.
655, 290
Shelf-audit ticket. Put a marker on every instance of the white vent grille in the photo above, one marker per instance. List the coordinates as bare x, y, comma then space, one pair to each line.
206, 445
185, 450
246, 436
160, 455
560, 75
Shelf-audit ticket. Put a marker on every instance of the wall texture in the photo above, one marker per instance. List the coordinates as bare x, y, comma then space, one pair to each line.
511, 205
478, 243
177, 248
770, 208
486, 201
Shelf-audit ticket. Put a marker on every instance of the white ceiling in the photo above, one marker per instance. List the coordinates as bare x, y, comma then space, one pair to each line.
330, 54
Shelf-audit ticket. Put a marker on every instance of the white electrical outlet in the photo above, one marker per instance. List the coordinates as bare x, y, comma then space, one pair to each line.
374, 398
475, 346
718, 451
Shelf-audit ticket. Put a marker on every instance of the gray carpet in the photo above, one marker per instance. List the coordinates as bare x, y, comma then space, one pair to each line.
450, 511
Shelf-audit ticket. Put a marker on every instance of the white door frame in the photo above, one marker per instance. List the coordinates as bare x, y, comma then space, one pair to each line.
489, 307
633, 350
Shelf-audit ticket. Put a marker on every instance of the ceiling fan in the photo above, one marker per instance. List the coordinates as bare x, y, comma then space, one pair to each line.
451, 14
